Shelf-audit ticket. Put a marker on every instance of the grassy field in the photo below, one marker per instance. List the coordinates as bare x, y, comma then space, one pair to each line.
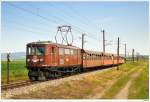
101, 85
18, 71
139, 88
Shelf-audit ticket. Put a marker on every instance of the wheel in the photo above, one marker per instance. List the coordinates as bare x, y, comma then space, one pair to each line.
32, 78
41, 76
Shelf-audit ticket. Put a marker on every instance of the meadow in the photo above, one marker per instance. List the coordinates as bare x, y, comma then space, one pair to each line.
18, 71
104, 84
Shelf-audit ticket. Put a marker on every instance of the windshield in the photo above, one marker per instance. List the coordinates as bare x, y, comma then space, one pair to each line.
36, 50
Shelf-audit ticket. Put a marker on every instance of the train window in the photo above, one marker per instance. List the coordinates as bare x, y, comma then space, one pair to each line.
71, 52
32, 50
67, 51
75, 52
61, 51
40, 50
29, 50
90, 56
94, 57
97, 56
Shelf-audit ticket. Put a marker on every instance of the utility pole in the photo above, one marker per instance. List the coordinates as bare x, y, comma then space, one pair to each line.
133, 55
8, 60
83, 35
137, 56
82, 51
103, 31
118, 54
125, 52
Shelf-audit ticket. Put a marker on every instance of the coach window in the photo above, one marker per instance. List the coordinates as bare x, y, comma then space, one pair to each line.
111, 57
61, 51
89, 56
104, 56
75, 52
94, 57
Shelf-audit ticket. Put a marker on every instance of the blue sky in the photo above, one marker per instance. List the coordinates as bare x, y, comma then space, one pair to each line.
24, 22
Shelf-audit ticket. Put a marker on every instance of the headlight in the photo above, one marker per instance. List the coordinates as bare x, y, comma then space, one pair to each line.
28, 60
41, 60
34, 60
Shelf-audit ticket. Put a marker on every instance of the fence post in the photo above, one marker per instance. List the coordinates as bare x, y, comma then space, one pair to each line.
8, 60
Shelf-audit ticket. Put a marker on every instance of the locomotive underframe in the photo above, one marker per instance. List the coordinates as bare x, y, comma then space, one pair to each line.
43, 73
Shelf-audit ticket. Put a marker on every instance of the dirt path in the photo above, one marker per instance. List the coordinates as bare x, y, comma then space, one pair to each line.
100, 94
123, 93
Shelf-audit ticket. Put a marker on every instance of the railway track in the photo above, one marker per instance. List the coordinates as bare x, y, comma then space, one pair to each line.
17, 84
28, 82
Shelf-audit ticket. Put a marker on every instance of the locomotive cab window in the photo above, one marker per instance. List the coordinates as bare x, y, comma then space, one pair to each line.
36, 50
28, 50
40, 50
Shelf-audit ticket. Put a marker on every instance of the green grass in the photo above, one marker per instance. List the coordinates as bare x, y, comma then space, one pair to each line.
139, 88
88, 86
115, 88
18, 71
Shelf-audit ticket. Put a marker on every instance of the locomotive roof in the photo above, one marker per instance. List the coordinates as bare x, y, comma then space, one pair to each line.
50, 42
66, 46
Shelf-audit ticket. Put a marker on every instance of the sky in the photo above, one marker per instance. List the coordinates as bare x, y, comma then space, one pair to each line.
24, 22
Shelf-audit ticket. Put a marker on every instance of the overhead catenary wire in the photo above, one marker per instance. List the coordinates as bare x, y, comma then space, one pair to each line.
75, 13
47, 19
55, 22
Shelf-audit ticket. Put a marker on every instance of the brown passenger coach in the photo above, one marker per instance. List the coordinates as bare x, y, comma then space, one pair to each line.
45, 60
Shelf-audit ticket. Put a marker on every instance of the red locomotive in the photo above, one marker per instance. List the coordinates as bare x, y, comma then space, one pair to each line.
46, 59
